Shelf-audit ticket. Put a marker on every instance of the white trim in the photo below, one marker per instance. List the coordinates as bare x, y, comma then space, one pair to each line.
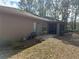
34, 26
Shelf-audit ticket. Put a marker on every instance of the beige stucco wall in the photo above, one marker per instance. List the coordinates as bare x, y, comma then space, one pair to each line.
15, 26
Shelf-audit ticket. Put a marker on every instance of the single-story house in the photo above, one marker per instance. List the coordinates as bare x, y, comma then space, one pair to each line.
15, 24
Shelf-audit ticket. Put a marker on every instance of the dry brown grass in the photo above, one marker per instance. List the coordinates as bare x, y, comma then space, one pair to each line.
49, 49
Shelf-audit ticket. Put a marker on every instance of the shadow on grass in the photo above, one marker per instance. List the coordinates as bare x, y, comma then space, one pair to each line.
69, 39
19, 46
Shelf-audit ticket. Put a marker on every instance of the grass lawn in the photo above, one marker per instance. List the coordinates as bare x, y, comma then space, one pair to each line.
49, 49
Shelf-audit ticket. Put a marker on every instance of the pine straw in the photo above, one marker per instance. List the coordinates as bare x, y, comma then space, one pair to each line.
49, 49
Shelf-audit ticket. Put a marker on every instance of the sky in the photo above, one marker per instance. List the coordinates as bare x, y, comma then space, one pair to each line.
9, 3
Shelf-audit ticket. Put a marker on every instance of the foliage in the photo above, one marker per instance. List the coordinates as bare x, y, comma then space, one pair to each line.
57, 9
41, 7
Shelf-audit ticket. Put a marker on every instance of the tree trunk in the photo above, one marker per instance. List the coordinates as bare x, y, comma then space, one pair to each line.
75, 20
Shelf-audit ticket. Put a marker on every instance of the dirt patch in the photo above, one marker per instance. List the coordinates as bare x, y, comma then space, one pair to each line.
52, 48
